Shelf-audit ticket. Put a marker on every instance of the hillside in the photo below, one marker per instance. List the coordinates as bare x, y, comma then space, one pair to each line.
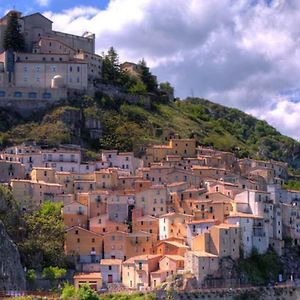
125, 126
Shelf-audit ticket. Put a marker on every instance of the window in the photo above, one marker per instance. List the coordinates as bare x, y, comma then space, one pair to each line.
78, 69
46, 95
32, 95
53, 68
2, 93
18, 94
109, 268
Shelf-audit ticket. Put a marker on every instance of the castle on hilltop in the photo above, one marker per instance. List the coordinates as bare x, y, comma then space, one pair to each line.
52, 66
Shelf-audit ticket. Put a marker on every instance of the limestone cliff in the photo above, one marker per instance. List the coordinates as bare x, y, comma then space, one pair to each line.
12, 276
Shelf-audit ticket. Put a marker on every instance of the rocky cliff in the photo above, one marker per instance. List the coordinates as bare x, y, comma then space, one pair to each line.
12, 275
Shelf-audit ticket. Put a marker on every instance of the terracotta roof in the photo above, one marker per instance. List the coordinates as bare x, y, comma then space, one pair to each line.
88, 275
111, 262
243, 215
204, 254
202, 221
174, 257
145, 257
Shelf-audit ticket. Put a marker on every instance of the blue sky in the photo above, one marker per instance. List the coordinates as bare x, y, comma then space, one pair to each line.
53, 5
240, 53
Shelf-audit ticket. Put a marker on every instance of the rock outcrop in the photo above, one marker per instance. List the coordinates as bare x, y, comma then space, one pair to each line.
12, 276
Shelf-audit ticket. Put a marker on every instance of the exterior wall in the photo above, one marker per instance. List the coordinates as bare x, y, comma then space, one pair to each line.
39, 73
11, 170
152, 201
33, 193
200, 264
75, 214
171, 265
136, 271
43, 174
111, 268
83, 243
94, 280
147, 224
173, 225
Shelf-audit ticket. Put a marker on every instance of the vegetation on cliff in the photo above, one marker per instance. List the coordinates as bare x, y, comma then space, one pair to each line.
127, 127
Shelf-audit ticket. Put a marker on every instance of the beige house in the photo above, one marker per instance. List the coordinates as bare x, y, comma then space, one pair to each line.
94, 280
136, 271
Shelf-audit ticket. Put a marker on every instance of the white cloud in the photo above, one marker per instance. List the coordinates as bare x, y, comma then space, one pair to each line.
240, 53
43, 2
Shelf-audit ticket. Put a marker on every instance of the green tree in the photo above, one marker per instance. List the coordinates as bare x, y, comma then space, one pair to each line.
166, 87
68, 292
111, 66
138, 88
148, 79
31, 276
53, 274
86, 293
13, 38
43, 243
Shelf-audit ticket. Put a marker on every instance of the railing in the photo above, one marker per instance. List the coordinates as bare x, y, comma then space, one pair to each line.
13, 294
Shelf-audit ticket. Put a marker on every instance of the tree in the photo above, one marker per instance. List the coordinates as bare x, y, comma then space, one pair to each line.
13, 39
166, 87
43, 243
148, 79
53, 273
111, 66
138, 89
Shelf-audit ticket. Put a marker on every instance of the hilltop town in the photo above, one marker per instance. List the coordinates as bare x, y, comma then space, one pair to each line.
177, 213
178, 209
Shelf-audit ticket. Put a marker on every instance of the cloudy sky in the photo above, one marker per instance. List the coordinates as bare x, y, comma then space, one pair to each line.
241, 53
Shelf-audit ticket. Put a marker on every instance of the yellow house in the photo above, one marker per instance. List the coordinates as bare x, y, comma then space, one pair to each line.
94, 280
30, 193
43, 174
136, 271
106, 178
181, 147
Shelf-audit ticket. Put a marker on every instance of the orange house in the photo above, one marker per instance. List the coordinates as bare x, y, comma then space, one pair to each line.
123, 245
75, 214
83, 245
168, 247
148, 224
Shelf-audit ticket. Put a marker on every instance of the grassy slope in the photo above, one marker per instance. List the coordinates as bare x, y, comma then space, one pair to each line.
211, 124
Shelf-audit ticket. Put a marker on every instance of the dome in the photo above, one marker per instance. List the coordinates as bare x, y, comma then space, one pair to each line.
57, 82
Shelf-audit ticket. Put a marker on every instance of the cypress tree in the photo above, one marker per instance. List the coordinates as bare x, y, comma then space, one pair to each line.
13, 39
148, 79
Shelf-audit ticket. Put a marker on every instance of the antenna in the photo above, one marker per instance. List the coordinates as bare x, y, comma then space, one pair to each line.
192, 92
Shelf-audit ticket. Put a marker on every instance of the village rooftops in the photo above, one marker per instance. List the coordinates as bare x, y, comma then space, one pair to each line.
243, 215
88, 275
144, 257
202, 221
174, 257
147, 218
204, 254
107, 262
172, 243
175, 215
